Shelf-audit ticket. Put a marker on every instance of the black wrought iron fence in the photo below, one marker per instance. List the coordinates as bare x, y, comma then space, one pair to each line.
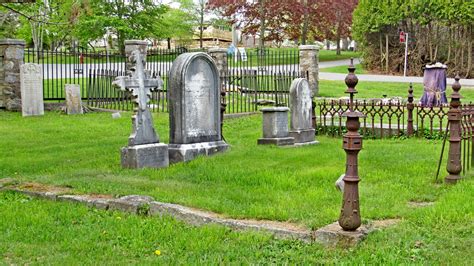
101, 93
246, 90
384, 118
250, 81
467, 135
71, 66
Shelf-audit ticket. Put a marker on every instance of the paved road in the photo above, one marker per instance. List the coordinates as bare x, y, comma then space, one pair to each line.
63, 70
343, 62
379, 78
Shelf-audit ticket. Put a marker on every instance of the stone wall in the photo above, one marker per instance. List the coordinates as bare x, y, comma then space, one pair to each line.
309, 62
11, 57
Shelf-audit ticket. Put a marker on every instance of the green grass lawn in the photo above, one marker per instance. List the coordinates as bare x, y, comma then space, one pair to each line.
343, 69
249, 181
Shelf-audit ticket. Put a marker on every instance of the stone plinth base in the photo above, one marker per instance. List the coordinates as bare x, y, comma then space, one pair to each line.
187, 152
303, 136
276, 141
332, 235
145, 156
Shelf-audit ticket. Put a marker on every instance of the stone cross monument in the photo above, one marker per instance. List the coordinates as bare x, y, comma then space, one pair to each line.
144, 149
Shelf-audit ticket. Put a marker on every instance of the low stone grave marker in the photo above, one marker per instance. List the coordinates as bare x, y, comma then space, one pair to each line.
73, 99
275, 127
301, 118
31, 83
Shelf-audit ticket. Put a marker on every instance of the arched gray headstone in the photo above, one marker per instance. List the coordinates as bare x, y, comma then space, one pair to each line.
194, 107
300, 108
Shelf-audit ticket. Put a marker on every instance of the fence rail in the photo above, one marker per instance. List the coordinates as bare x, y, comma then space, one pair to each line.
384, 118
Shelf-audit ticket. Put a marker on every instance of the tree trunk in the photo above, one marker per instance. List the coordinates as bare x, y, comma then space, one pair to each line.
201, 25
262, 26
338, 45
386, 53
304, 33
168, 40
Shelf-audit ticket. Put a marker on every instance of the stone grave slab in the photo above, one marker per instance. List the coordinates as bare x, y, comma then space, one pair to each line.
194, 97
275, 127
300, 107
73, 99
31, 83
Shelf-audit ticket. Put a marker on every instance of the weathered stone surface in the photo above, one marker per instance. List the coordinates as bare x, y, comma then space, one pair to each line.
73, 99
116, 115
7, 182
140, 84
332, 235
138, 198
309, 63
187, 152
198, 217
144, 149
31, 77
145, 156
301, 118
11, 57
125, 206
134, 45
194, 106
276, 141
340, 183
220, 58
275, 127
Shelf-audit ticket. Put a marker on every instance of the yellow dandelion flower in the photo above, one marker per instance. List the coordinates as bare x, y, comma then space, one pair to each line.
157, 252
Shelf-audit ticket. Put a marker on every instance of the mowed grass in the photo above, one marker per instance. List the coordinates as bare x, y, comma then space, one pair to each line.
343, 69
249, 181
38, 232
365, 89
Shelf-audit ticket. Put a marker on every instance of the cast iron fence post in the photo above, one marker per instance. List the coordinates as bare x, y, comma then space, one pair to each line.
410, 107
350, 219
454, 166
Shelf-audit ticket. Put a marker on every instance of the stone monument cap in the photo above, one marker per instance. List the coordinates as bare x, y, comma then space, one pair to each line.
135, 42
12, 42
275, 109
217, 50
308, 47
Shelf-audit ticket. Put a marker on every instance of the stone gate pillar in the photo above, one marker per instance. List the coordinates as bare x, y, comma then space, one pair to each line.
220, 58
11, 57
309, 62
132, 45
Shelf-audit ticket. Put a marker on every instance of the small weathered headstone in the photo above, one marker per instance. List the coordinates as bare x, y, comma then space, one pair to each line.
340, 183
116, 115
275, 127
194, 108
301, 117
31, 80
73, 99
144, 149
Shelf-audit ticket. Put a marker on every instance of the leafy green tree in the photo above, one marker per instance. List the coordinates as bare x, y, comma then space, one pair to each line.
133, 19
439, 30
177, 23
